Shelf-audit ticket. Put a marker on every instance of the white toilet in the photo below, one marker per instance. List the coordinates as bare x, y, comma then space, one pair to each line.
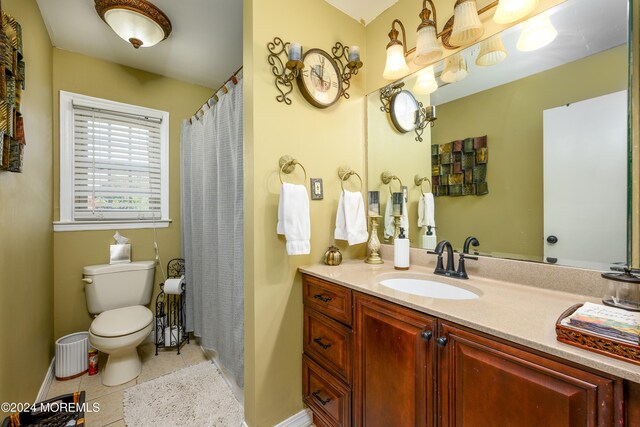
117, 294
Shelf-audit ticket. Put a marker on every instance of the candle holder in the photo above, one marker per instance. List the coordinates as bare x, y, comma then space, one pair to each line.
284, 72
374, 243
349, 64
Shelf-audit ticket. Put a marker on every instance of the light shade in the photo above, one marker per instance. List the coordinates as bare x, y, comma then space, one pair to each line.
137, 21
396, 66
455, 69
509, 11
467, 27
426, 82
537, 33
492, 52
428, 49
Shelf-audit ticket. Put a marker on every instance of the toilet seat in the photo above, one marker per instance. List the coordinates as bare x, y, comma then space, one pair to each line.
121, 321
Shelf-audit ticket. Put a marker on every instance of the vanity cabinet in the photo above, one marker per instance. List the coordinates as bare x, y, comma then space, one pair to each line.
485, 382
372, 363
394, 365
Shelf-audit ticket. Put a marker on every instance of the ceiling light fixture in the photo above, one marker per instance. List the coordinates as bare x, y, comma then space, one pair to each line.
462, 29
139, 22
537, 33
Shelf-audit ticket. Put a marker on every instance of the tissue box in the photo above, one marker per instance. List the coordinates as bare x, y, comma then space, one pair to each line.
120, 254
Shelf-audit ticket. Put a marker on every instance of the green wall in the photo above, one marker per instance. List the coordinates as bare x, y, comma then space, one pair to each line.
509, 220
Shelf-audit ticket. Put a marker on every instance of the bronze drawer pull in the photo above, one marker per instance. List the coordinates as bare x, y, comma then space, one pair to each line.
316, 394
322, 298
318, 341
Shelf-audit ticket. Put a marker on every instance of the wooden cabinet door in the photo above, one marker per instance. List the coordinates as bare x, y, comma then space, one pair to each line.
393, 365
483, 382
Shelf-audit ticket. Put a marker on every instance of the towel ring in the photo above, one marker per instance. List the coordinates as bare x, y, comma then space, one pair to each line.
419, 181
345, 173
387, 177
287, 165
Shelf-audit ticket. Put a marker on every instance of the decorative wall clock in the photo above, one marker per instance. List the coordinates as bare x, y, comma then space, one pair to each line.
319, 81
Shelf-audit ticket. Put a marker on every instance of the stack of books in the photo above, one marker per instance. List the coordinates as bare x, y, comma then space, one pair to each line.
609, 322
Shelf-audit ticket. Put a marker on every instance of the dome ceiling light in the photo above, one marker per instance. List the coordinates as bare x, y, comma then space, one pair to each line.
139, 22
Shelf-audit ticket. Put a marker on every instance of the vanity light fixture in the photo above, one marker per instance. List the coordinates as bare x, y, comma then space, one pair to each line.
426, 82
455, 69
492, 52
139, 22
463, 28
509, 11
537, 33
467, 27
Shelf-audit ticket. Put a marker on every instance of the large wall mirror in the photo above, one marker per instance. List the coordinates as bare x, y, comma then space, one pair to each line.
555, 172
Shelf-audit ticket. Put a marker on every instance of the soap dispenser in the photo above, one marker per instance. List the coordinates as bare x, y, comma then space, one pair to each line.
401, 251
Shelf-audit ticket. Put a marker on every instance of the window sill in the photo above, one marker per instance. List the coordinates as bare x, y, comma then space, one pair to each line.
108, 225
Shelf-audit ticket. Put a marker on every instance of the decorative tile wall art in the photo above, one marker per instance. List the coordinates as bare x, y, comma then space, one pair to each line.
459, 168
12, 83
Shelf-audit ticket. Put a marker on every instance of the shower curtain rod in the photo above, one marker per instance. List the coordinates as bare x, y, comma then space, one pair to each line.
223, 86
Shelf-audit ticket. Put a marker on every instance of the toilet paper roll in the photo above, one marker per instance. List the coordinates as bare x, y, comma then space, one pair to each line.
174, 286
172, 335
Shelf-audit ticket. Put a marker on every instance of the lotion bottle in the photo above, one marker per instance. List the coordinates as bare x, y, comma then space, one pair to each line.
401, 251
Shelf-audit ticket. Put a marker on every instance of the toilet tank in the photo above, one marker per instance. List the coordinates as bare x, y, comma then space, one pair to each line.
109, 286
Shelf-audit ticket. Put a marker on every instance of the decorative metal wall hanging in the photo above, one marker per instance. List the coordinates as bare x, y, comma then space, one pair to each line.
459, 168
423, 115
323, 78
12, 83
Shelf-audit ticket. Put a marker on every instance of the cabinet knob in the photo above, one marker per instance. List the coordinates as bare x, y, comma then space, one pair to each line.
552, 239
426, 335
442, 341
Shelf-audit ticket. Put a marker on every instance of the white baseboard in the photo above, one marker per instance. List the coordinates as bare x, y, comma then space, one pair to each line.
303, 418
46, 384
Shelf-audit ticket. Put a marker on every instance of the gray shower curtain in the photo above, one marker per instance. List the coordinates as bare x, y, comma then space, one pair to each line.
211, 155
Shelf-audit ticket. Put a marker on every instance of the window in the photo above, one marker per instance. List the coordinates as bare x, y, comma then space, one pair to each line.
114, 165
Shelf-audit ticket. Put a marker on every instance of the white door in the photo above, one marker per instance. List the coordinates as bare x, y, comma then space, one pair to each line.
585, 182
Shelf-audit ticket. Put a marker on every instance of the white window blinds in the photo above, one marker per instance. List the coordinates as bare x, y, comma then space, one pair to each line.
117, 165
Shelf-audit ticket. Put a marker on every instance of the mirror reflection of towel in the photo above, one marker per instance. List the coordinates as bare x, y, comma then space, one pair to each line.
293, 218
351, 222
426, 211
389, 224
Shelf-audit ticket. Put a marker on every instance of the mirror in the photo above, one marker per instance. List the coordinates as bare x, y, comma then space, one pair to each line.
555, 159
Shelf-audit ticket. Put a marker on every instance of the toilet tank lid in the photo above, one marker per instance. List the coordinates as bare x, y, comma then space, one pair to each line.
94, 270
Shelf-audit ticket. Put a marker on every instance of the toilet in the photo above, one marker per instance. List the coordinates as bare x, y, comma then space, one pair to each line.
117, 295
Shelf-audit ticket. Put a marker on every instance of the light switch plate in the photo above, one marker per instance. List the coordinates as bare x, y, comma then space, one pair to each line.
316, 189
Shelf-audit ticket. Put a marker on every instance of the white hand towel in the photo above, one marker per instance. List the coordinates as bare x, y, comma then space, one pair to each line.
426, 210
293, 218
351, 223
389, 221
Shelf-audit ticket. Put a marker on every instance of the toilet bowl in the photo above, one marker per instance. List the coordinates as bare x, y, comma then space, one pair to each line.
118, 333
117, 295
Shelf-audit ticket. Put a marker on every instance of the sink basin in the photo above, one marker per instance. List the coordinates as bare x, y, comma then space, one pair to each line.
429, 288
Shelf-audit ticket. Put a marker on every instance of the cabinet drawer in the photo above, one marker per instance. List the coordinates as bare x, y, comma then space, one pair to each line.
327, 396
328, 342
332, 300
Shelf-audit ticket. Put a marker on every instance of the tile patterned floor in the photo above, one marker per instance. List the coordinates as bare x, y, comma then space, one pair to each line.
110, 398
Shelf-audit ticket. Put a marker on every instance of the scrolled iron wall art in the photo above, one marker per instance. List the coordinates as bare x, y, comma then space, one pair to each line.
285, 71
425, 116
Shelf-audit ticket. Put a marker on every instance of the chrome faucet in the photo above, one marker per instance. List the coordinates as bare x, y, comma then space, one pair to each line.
461, 273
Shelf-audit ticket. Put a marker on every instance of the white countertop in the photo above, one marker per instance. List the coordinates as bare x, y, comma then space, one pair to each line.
521, 314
